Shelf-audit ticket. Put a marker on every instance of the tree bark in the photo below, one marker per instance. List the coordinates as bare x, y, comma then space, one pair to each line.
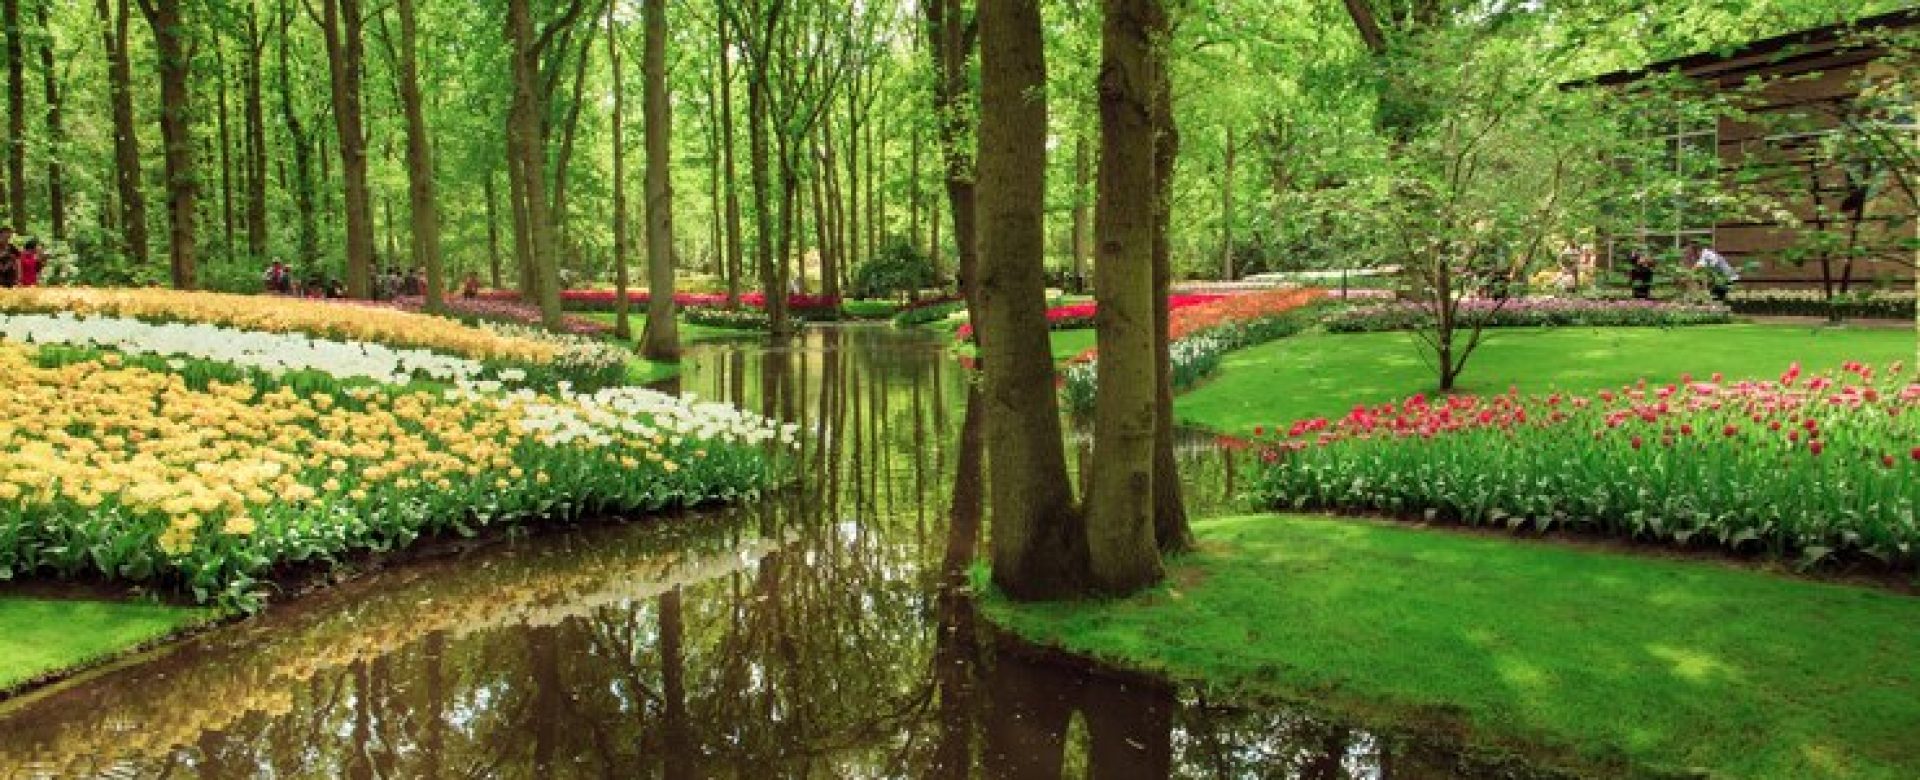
1082, 206
950, 37
731, 177
341, 24
302, 143
420, 189
663, 334
176, 133
256, 138
492, 194
622, 321
528, 148
1226, 212
1170, 528
1039, 546
16, 114
126, 138
56, 136
224, 137
1120, 500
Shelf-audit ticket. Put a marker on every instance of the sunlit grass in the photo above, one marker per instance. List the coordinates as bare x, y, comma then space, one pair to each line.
39, 637
1609, 661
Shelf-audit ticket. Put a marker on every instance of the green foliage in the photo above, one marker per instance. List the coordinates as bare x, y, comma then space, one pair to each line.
1599, 662
900, 268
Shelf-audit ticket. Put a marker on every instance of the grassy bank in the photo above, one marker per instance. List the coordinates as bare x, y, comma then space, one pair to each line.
1326, 374
1613, 663
40, 638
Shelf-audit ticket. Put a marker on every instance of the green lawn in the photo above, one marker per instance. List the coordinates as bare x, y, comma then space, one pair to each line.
40, 637
1067, 344
1611, 663
1326, 374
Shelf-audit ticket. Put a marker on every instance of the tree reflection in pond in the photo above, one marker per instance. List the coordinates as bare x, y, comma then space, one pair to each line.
825, 631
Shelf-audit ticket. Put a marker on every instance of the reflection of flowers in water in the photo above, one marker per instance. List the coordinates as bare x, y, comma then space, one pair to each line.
258, 668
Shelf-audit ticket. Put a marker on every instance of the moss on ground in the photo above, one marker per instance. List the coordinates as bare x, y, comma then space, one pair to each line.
1610, 662
1319, 374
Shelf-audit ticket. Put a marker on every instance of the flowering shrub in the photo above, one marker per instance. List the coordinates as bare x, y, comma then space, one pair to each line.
273, 314
1075, 316
929, 310
136, 474
1202, 334
736, 319
1531, 312
1804, 465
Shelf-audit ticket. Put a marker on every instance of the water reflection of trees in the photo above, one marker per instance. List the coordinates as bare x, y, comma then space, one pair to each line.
845, 646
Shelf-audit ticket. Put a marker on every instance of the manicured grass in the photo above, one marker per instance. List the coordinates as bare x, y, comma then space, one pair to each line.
40, 637
1326, 374
1609, 662
1067, 344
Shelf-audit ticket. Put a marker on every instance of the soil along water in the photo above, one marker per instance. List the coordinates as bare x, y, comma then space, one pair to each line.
824, 631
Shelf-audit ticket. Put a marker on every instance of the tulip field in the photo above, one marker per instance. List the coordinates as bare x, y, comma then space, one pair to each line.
1202, 331
200, 441
1800, 466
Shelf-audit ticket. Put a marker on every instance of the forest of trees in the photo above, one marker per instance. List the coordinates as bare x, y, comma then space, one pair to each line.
344, 136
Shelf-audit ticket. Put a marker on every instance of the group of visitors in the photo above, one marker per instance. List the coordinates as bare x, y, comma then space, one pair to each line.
19, 265
1720, 274
389, 284
281, 280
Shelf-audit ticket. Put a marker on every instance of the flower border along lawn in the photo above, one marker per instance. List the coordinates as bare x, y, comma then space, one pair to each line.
1325, 375
1597, 661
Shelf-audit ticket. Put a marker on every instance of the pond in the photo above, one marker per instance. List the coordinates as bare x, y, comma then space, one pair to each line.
824, 631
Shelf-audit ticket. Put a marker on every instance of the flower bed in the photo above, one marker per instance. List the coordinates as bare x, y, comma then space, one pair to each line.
276, 314
496, 310
1799, 466
732, 319
1075, 316
929, 310
1202, 334
1811, 303
1531, 312
140, 474
817, 306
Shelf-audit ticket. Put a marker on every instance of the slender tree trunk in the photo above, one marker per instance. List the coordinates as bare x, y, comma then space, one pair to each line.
833, 235
874, 212
1170, 529
951, 40
1082, 207
176, 133
1226, 211
663, 334
420, 189
732, 178
563, 159
847, 200
622, 324
529, 149
256, 138
1039, 546
758, 169
303, 186
224, 137
913, 192
1120, 500
341, 24
56, 136
16, 114
126, 138
492, 194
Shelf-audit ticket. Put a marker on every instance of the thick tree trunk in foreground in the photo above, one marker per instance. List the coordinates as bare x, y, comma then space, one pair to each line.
622, 320
1170, 529
1120, 500
340, 24
1039, 546
663, 334
176, 134
126, 137
420, 195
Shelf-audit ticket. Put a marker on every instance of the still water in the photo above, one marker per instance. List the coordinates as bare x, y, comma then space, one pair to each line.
823, 632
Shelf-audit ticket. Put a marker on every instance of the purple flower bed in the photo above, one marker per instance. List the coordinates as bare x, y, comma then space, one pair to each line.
1531, 312
496, 310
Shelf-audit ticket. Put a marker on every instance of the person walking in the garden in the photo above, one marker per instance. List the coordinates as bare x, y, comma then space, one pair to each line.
1640, 274
9, 259
30, 264
1720, 274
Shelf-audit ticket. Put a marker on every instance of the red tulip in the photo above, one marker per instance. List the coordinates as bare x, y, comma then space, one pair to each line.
1815, 446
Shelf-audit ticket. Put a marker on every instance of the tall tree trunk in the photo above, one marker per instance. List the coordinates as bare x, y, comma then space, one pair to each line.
622, 324
341, 24
56, 136
1170, 529
760, 160
874, 212
1120, 505
563, 158
1039, 543
951, 40
734, 248
833, 233
913, 192
126, 137
256, 138
420, 194
529, 150
663, 334
1082, 206
16, 114
176, 133
303, 186
224, 137
847, 200
492, 195
1226, 211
